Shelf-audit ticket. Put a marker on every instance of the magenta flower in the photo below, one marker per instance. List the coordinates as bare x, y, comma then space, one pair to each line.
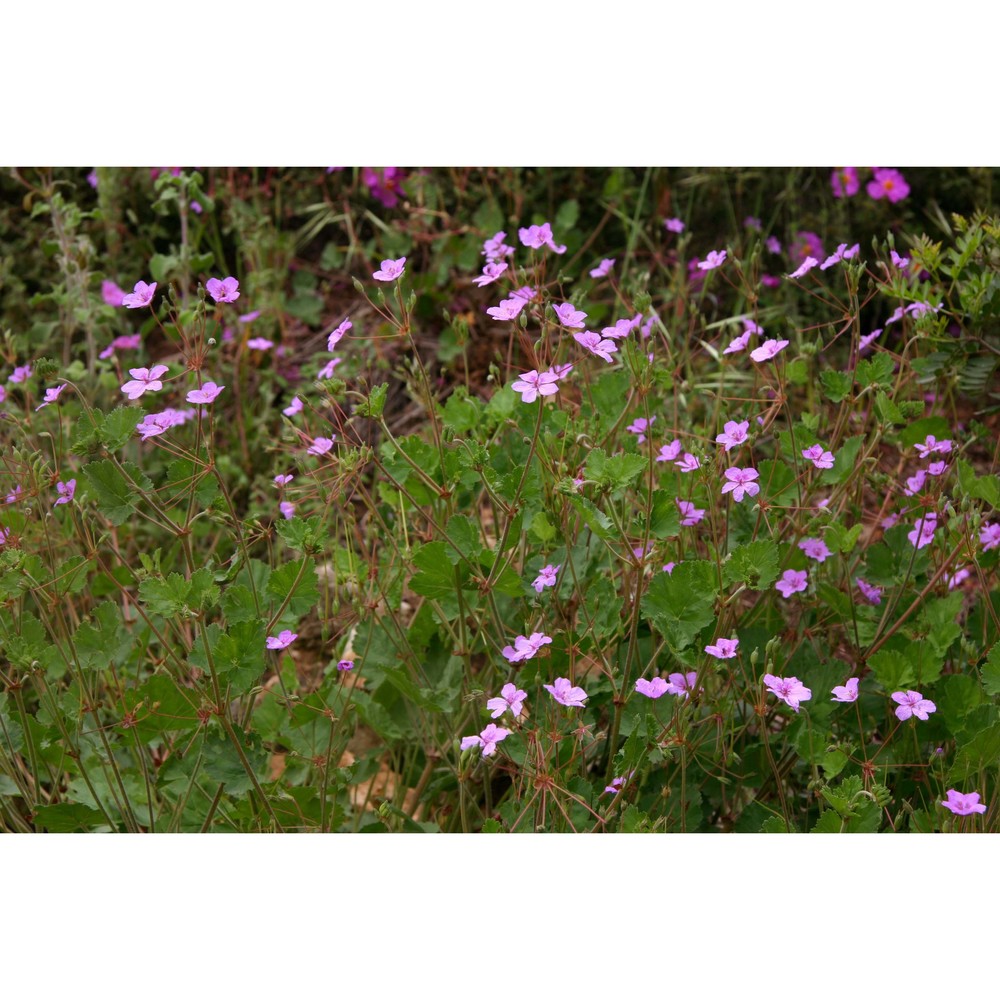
937, 468
546, 577
669, 452
226, 290
655, 688
140, 296
51, 395
790, 690
690, 515
390, 270
963, 805
740, 482
491, 272
21, 374
888, 184
843, 253
336, 336
915, 483
815, 548
537, 237
768, 350
733, 434
525, 647
511, 697
487, 739
564, 693
561, 371
208, 393
495, 249
912, 703
847, 692
615, 787
792, 581
806, 244
898, 261
345, 665
570, 316
639, 426
807, 265
287, 509
295, 406
112, 294
738, 344
715, 258
674, 225
533, 384
321, 445
932, 445
383, 184
989, 536
260, 344
723, 649
923, 531
844, 181
144, 380
682, 685
282, 640
603, 269
66, 491
593, 343
819, 457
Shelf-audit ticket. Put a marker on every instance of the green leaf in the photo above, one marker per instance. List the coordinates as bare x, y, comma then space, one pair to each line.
840, 538
238, 654
542, 528
375, 403
681, 604
665, 517
845, 462
68, 817
167, 597
464, 533
301, 534
595, 519
892, 670
117, 498
616, 472
916, 432
305, 594
238, 604
981, 487
435, 576
221, 761
119, 426
755, 564
888, 411
836, 385
877, 371
105, 642
990, 671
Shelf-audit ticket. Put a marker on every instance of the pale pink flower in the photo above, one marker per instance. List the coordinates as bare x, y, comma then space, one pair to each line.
390, 270
337, 335
674, 225
507, 310
932, 445
847, 692
815, 548
842, 253
734, 434
989, 536
546, 577
912, 703
603, 269
248, 317
871, 594
533, 384
668, 568
283, 480
923, 531
807, 265
898, 261
260, 344
295, 406
792, 582
915, 483
327, 370
112, 294
714, 259
565, 693
287, 509
495, 249
226, 290
570, 316
321, 445
655, 688
740, 482
282, 640
128, 342
690, 515
525, 647
639, 426
20, 374
487, 739
593, 343
768, 350
491, 272
958, 577
790, 690
140, 296
208, 393
963, 804
669, 452
537, 237
819, 457
511, 697
688, 463
937, 468
682, 685
144, 380
621, 329
738, 344
723, 649
51, 395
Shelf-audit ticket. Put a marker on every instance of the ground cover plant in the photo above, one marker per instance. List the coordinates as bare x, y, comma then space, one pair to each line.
499, 500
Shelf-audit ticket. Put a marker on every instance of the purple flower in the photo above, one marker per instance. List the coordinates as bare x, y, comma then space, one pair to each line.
525, 647
295, 406
669, 452
335, 337
564, 693
260, 344
537, 237
383, 183
487, 739
287, 509
958, 577
752, 222
15, 495
923, 531
655, 688
792, 581
806, 244
773, 244
141, 295
507, 310
842, 254
570, 316
807, 265
937, 468
815, 548
226, 290
819, 457
491, 272
144, 380
963, 805
495, 249
740, 482
390, 270
21, 374
546, 577
734, 434
723, 649
790, 690
603, 269
989, 536
621, 329
847, 692
51, 395
616, 785
844, 181
283, 480
738, 344
868, 340
282, 640
511, 697
898, 261
688, 463
690, 515
668, 568
912, 703
715, 258
533, 384
915, 483
345, 665
888, 184
112, 294
768, 350
639, 426
321, 445
158, 423
208, 393
327, 370
682, 685
593, 343
66, 491
932, 445
674, 225
871, 594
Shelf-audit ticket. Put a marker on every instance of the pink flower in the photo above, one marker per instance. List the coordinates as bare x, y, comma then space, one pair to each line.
806, 244
888, 184
537, 237
915, 483
847, 692
491, 272
937, 468
616, 784
867, 340
923, 531
682, 685
593, 343
668, 568
792, 581
336, 336
715, 258
842, 254
21, 374
723, 649
790, 690
511, 697
669, 452
287, 509
958, 578
345, 665
912, 703
688, 463
602, 270
738, 344
158, 423
655, 688
283, 480
561, 371
570, 316
260, 344
327, 370
295, 406
65, 491
932, 445
807, 265
564, 693
963, 805
508, 309
208, 393
524, 295
546, 578
734, 434
989, 536
768, 350
639, 426
282, 640
226, 290
773, 244
141, 295
112, 294
14, 496
674, 225
145, 380
844, 181
815, 548
871, 594
248, 317
321, 445
495, 249
740, 482
898, 261
533, 384
525, 647
487, 739
129, 342
390, 270
51, 395
621, 329
819, 457
690, 515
